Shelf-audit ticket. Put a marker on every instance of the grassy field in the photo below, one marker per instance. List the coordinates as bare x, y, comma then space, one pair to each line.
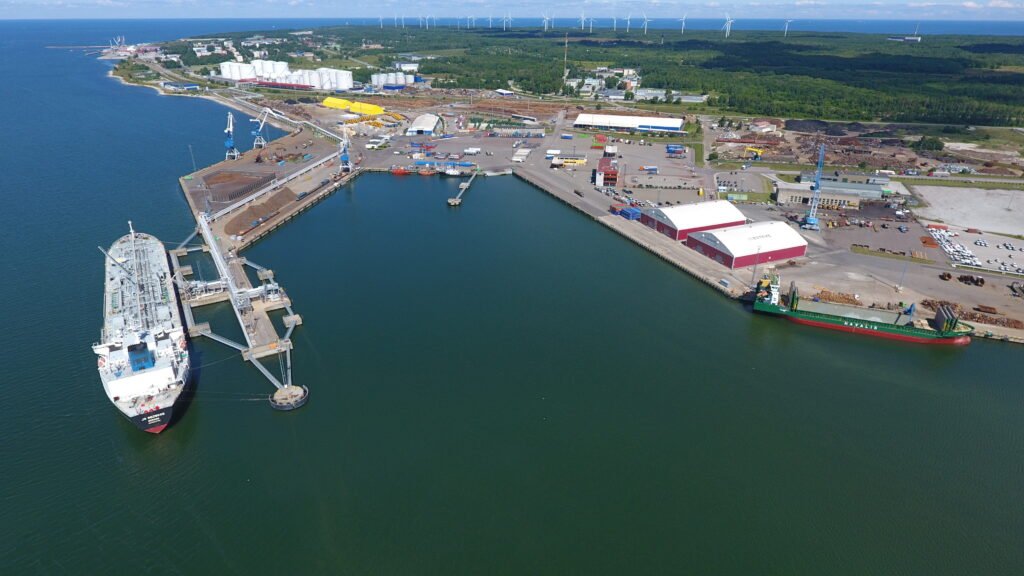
869, 252
791, 167
982, 184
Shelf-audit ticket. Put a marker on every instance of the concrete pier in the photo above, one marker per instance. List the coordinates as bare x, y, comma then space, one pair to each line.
236, 203
463, 188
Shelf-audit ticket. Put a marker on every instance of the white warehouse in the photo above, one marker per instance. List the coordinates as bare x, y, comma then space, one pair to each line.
630, 123
425, 124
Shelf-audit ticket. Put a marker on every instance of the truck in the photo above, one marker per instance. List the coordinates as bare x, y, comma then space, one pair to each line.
549, 154
471, 151
566, 136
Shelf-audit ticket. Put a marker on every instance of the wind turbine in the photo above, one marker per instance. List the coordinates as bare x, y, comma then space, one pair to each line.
396, 20
591, 25
615, 24
646, 20
728, 25
472, 21
403, 22
786, 33
545, 20
381, 18
490, 22
583, 20
682, 25
628, 16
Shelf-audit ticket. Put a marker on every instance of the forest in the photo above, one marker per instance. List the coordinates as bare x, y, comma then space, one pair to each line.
944, 79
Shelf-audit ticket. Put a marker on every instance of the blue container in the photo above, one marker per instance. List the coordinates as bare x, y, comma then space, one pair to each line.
630, 213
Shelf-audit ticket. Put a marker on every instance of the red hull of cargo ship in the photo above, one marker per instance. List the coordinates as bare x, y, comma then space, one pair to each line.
954, 341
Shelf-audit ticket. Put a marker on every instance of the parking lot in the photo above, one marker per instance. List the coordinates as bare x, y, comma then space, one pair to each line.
989, 251
739, 182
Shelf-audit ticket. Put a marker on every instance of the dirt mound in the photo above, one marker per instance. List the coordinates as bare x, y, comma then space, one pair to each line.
265, 209
228, 185
806, 125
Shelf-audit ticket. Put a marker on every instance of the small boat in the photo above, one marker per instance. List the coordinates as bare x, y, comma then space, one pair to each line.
453, 172
400, 171
427, 172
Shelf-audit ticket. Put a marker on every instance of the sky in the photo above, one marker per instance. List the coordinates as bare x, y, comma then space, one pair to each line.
746, 9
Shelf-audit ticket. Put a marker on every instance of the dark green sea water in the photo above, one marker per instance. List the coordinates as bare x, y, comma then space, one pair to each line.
507, 388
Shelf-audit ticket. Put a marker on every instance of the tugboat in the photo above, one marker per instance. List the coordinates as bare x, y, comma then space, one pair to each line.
400, 171
427, 171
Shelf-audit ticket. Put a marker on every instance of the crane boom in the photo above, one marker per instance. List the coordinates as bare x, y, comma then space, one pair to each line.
260, 141
811, 220
230, 153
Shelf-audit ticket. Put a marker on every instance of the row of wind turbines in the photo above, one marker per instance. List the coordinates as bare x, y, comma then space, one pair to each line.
549, 23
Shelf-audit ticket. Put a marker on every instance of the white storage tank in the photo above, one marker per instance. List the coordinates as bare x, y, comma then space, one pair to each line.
280, 69
410, 79
246, 71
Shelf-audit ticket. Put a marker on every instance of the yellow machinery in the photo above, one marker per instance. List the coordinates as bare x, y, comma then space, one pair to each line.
755, 153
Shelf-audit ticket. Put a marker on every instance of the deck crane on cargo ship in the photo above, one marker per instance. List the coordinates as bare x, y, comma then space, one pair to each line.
811, 220
231, 153
260, 141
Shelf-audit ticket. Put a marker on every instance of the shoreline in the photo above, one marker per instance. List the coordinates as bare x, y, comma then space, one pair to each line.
722, 285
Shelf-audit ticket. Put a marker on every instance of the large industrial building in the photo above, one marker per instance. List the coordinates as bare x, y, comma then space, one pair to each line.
425, 124
677, 222
787, 193
629, 123
750, 244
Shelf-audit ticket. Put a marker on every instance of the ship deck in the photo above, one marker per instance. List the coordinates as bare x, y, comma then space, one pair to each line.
857, 313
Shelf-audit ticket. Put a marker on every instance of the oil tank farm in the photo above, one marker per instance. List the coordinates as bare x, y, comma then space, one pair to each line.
677, 222
750, 244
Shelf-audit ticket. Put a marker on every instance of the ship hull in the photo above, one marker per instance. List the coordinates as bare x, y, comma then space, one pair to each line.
153, 422
941, 340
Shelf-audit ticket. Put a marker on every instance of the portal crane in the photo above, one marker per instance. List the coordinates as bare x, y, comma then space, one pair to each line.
231, 153
345, 161
259, 141
811, 220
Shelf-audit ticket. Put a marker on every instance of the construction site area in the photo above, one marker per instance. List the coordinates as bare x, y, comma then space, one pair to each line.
885, 147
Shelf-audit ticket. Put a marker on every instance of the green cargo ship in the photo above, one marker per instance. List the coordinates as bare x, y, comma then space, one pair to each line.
946, 328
